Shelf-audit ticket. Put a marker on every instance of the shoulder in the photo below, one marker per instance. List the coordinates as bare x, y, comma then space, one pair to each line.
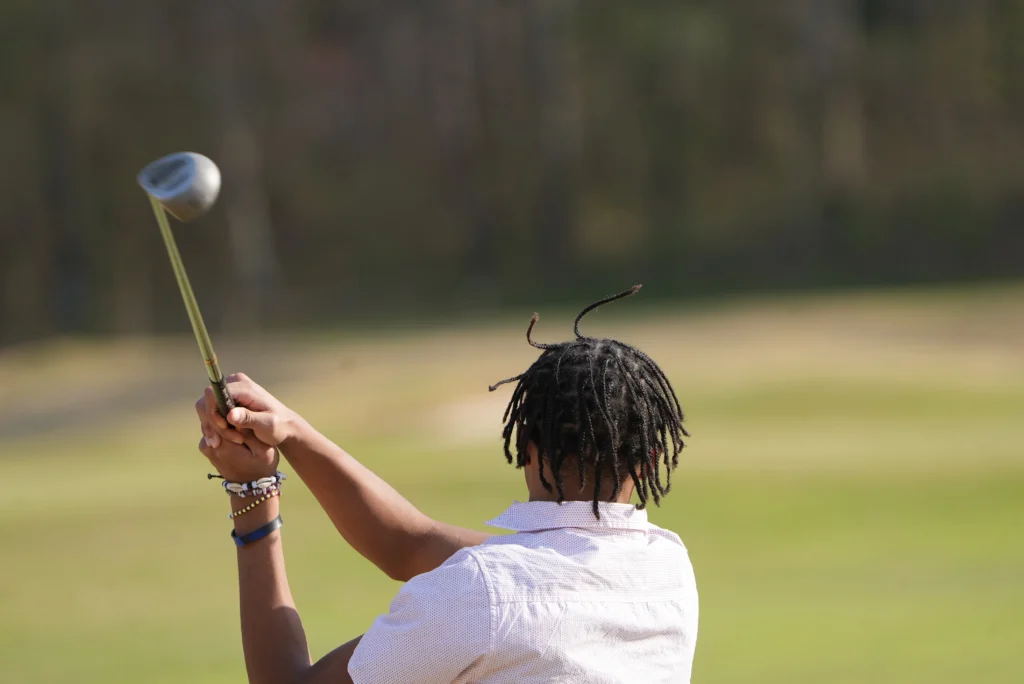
460, 576
437, 626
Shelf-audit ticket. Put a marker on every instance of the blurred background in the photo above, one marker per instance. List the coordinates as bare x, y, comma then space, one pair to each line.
823, 199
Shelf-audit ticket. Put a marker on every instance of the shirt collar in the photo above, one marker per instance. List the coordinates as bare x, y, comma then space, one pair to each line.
534, 516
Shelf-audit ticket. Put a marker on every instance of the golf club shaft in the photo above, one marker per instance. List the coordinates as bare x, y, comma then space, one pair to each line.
220, 390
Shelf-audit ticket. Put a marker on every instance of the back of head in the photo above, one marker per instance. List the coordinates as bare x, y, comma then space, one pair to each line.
599, 405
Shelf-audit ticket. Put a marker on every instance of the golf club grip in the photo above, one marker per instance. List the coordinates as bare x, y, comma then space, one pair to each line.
224, 401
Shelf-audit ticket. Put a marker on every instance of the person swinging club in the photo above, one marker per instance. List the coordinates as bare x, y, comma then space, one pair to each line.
584, 589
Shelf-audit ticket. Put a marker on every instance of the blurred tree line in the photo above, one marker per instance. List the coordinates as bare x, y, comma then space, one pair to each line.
416, 158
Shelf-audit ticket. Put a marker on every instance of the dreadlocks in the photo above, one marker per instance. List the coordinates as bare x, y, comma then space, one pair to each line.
601, 401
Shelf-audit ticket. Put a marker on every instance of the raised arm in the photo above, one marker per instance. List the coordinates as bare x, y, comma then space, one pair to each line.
273, 639
374, 519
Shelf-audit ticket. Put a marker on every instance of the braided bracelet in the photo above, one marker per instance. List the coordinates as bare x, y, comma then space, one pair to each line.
259, 490
254, 488
242, 511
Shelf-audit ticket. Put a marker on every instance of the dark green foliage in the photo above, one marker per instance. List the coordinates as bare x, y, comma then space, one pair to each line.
406, 156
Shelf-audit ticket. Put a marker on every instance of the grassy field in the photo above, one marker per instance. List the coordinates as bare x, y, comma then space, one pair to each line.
852, 497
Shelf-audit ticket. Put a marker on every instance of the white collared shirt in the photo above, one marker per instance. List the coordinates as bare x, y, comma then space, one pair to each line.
568, 598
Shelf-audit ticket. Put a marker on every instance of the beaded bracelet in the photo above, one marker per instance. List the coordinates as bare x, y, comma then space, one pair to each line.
242, 511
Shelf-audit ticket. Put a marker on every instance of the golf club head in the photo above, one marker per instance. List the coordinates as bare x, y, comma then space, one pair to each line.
185, 183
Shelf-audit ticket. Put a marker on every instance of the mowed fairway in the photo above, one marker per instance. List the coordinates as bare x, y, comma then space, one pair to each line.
852, 496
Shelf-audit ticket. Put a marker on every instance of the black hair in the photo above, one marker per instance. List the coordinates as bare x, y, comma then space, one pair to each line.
603, 402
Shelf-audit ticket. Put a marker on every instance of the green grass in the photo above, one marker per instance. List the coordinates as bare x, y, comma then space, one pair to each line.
852, 498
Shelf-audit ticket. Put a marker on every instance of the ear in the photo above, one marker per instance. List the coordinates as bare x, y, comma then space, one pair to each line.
531, 453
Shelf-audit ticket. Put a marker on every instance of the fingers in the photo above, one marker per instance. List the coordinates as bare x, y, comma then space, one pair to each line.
245, 392
213, 415
241, 462
254, 444
258, 411
228, 451
206, 450
209, 433
206, 409
214, 422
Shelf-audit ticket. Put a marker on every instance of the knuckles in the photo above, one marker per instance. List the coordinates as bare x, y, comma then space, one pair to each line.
240, 379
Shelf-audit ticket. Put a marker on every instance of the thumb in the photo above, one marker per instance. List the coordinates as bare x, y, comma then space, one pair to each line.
254, 420
266, 425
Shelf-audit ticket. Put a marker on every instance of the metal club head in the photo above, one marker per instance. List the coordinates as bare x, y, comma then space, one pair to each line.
185, 183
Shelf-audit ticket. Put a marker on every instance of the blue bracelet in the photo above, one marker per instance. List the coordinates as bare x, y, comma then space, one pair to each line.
256, 535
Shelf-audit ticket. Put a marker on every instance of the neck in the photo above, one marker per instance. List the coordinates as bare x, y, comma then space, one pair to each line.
573, 492
545, 495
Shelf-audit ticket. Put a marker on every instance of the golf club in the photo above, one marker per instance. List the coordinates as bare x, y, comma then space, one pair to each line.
186, 185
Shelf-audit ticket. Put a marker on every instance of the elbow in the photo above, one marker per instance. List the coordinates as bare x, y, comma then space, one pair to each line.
399, 574
406, 562
413, 553
400, 568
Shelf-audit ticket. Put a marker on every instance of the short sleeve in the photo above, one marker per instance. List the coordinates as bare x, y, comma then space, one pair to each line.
438, 626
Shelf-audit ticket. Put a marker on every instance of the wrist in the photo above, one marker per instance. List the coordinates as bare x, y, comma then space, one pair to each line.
257, 517
298, 432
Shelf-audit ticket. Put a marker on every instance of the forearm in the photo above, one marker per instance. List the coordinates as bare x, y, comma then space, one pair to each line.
272, 636
374, 519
